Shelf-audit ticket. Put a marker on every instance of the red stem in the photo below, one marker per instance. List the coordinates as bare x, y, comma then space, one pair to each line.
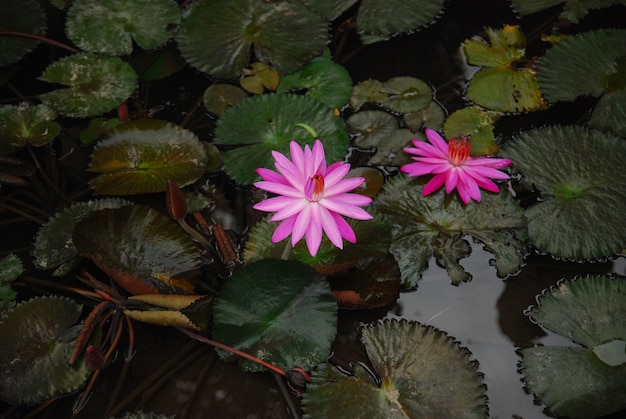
233, 350
40, 38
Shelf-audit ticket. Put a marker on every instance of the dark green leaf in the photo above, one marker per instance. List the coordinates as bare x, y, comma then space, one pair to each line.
475, 123
24, 16
24, 124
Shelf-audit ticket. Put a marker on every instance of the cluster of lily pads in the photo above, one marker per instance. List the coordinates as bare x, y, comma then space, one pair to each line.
270, 79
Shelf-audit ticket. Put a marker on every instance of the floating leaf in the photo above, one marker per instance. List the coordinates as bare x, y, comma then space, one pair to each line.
475, 123
97, 129
25, 16
259, 78
53, 244
24, 124
329, 9
271, 122
97, 84
406, 94
609, 114
367, 91
389, 151
573, 10
502, 47
141, 156
580, 64
280, 311
10, 268
137, 241
421, 372
423, 226
590, 311
36, 341
384, 18
220, 96
373, 240
432, 116
580, 174
324, 80
216, 36
371, 127
110, 26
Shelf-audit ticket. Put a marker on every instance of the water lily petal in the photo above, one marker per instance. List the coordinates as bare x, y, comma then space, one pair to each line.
303, 220
436, 140
275, 203
290, 208
330, 226
283, 230
279, 188
434, 184
344, 228
343, 186
314, 231
271, 176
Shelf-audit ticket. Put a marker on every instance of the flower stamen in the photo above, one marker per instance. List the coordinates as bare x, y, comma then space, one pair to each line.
459, 150
314, 188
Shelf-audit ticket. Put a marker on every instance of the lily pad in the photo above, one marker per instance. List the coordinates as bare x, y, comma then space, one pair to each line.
329, 9
432, 116
589, 310
220, 96
323, 80
420, 372
434, 225
260, 77
502, 47
573, 10
271, 122
580, 174
24, 124
609, 114
380, 19
216, 36
54, 247
373, 240
97, 84
389, 151
475, 123
406, 94
141, 156
280, 311
371, 127
25, 16
110, 26
366, 91
36, 340
581, 64
139, 242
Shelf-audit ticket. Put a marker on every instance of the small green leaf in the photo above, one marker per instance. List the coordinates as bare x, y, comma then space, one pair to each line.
371, 127
406, 94
141, 156
280, 311
366, 91
609, 114
221, 96
389, 150
97, 84
271, 124
24, 124
432, 116
110, 26
421, 372
36, 340
580, 174
504, 46
612, 353
475, 123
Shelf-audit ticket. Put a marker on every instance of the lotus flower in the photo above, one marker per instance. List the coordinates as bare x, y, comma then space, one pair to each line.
451, 164
311, 197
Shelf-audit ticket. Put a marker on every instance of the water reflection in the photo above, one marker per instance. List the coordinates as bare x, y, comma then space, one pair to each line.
486, 315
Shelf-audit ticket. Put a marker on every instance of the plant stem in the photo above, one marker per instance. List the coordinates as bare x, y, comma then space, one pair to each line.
40, 38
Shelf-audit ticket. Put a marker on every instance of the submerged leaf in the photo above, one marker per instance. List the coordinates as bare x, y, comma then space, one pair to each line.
580, 174
110, 26
271, 122
216, 36
420, 372
423, 226
280, 311
580, 64
97, 84
36, 341
25, 16
141, 156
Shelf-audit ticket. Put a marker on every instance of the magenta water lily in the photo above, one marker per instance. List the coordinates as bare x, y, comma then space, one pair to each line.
452, 164
312, 198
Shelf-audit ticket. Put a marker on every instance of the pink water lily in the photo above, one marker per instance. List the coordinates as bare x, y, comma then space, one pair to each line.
312, 198
452, 164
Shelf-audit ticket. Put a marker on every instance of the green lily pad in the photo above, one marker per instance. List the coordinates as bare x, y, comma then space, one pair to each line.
97, 84
36, 341
422, 372
433, 225
432, 116
609, 114
371, 127
24, 124
580, 174
24, 16
475, 123
216, 36
573, 10
589, 310
367, 91
329, 9
389, 149
10, 268
141, 156
324, 80
373, 240
110, 26
502, 47
581, 64
271, 122
221, 96
53, 243
280, 311
506, 89
139, 241
406, 94
581, 382
381, 19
